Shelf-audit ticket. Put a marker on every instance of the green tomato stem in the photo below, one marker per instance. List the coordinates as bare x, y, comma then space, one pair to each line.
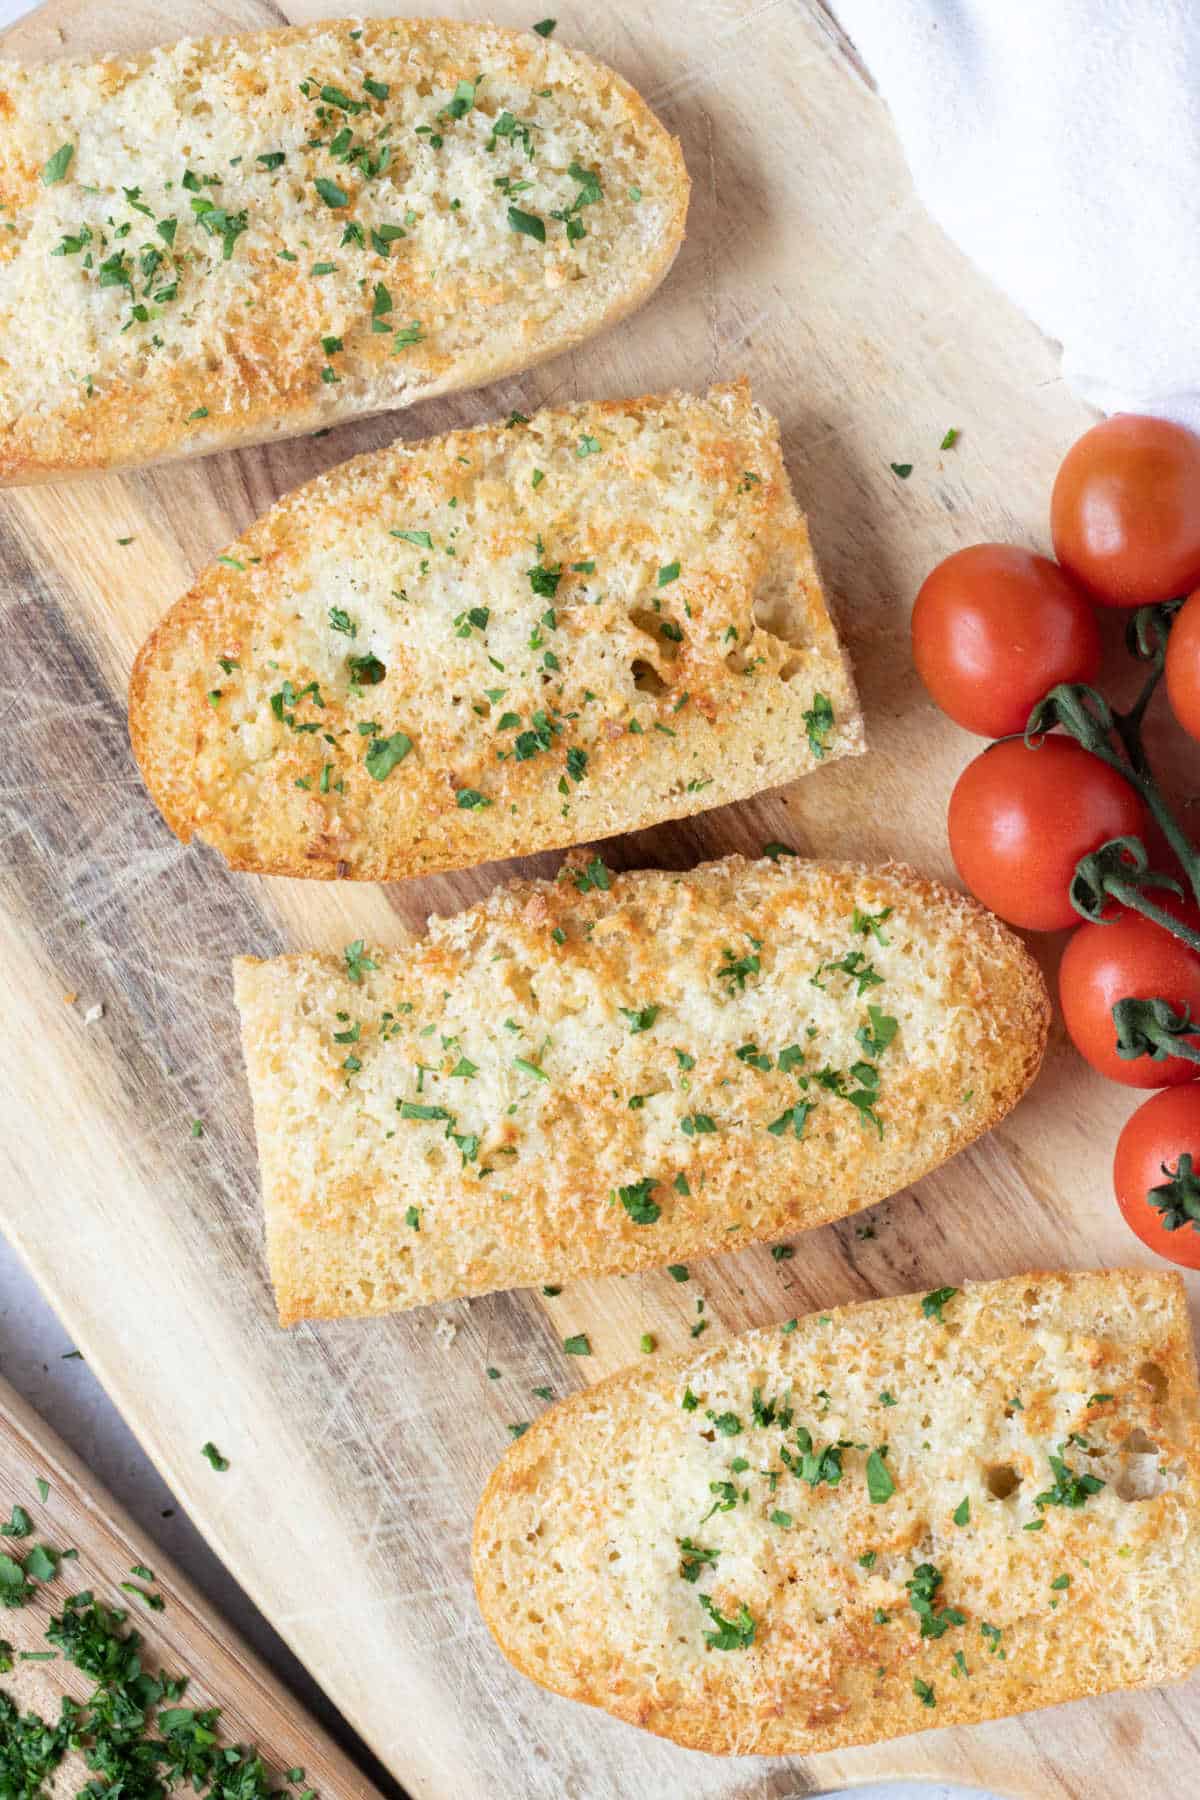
1126, 894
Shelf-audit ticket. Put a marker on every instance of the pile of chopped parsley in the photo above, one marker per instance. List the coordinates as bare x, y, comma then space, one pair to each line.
133, 1732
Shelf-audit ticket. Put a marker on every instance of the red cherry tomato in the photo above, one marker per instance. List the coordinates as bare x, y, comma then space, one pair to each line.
1021, 818
1125, 511
1183, 666
1131, 958
993, 629
1156, 1136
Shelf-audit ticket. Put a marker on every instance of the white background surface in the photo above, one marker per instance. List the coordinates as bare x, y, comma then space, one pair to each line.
33, 1345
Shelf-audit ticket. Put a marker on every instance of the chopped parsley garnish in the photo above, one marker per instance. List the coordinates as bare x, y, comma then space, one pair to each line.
876, 1037
880, 1485
527, 224
637, 1202
729, 1634
922, 1592
421, 539
1070, 1489
865, 923
341, 621
578, 1345
812, 1465
951, 438
358, 962
214, 1458
693, 1558
544, 579
56, 166
775, 851
667, 574
698, 1125
593, 875
924, 1692
287, 699
933, 1303
19, 1524
735, 969
818, 722
903, 470
412, 1219
795, 1118
640, 1018
330, 192
992, 1634
962, 1512
42, 1563
727, 1423
471, 800
385, 754
678, 1271
544, 27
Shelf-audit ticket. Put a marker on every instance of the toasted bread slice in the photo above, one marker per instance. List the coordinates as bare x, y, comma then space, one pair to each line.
914, 1512
609, 1072
233, 239
497, 642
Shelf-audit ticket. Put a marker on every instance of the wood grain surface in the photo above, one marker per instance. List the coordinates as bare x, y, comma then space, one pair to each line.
70, 1511
358, 1450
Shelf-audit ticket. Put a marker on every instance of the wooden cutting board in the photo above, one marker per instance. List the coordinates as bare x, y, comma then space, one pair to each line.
358, 1449
68, 1510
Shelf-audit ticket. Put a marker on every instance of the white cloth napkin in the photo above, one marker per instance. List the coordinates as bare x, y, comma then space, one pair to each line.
1058, 143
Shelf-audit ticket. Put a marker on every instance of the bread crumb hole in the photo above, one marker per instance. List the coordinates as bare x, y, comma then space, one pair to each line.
780, 602
1155, 1379
1002, 1480
646, 678
652, 623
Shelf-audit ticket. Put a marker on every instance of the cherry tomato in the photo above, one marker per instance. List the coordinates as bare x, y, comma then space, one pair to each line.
993, 629
1131, 958
1021, 818
1183, 666
1161, 1132
1125, 511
